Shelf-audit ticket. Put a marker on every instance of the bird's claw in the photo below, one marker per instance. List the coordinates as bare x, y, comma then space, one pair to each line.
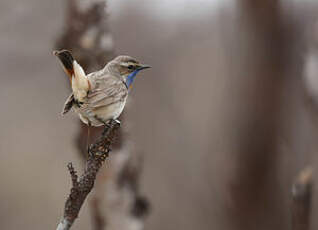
117, 122
89, 148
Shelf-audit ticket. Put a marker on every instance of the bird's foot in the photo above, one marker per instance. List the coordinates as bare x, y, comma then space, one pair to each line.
106, 128
91, 146
109, 124
117, 122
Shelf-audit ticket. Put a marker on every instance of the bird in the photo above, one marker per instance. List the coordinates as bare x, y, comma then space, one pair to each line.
100, 96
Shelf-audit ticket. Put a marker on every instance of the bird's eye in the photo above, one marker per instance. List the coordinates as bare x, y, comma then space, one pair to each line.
130, 67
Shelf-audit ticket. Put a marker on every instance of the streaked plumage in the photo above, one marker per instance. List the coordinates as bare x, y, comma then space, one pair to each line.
101, 95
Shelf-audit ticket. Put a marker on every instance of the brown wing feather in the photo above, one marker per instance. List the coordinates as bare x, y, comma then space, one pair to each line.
68, 104
106, 92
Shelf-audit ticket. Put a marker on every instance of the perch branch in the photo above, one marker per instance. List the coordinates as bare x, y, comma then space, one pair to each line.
81, 187
301, 200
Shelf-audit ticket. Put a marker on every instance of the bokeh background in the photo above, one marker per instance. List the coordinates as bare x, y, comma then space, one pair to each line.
225, 119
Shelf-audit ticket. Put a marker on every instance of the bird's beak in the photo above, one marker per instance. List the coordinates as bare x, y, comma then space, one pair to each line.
59, 53
55, 52
141, 67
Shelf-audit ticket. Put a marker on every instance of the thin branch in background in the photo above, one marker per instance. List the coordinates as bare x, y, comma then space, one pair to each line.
263, 71
98, 153
301, 203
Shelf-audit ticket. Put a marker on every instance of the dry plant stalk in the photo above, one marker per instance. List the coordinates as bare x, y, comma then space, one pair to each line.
81, 187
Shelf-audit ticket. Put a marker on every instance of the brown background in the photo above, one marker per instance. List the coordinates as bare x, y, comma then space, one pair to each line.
191, 115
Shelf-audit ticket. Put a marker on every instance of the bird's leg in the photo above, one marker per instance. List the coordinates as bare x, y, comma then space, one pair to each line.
107, 125
88, 136
117, 122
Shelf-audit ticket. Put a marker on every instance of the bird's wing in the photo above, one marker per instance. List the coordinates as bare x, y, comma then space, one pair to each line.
68, 104
108, 90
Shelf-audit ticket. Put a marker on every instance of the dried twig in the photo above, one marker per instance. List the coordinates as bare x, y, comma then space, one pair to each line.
98, 152
301, 204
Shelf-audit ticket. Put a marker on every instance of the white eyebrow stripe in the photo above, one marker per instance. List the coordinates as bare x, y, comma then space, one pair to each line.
126, 64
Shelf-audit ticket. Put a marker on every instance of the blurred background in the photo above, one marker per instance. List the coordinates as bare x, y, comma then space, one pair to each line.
222, 123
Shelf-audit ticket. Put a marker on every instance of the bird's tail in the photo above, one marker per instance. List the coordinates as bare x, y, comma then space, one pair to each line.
80, 83
66, 60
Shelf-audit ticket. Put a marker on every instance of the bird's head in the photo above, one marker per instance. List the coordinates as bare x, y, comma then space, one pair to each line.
127, 67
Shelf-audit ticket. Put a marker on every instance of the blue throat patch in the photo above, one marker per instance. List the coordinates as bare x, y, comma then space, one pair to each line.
131, 77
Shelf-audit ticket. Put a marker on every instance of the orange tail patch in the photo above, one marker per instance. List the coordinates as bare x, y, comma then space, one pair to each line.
66, 59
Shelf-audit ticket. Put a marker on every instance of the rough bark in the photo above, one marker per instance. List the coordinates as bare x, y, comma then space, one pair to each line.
81, 187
